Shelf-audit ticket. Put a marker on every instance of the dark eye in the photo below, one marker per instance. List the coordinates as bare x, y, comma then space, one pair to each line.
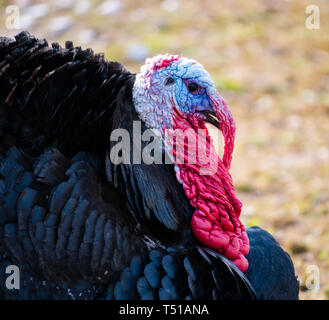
192, 87
170, 80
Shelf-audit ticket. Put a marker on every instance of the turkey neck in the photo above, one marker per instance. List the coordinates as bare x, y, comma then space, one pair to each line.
209, 188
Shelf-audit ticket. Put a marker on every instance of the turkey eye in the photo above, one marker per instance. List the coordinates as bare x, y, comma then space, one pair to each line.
170, 80
192, 87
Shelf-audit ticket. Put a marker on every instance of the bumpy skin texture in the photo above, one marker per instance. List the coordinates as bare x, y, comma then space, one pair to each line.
216, 219
153, 96
73, 233
172, 109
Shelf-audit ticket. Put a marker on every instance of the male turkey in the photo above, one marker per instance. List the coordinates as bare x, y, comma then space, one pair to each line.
82, 226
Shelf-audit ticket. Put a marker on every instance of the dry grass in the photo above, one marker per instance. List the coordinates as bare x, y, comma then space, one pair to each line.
274, 74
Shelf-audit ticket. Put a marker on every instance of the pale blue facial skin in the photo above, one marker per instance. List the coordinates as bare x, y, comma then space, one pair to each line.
155, 99
183, 73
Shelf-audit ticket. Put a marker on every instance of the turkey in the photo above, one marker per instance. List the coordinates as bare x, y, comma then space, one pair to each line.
83, 222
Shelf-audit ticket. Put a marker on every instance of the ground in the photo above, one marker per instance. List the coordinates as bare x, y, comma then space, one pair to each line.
272, 70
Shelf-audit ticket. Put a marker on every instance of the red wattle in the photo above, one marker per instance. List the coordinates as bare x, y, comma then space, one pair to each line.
215, 222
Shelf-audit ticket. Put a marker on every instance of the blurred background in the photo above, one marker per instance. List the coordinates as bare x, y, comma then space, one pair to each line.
271, 69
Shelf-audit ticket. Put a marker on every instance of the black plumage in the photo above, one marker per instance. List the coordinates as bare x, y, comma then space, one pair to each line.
180, 273
271, 270
80, 227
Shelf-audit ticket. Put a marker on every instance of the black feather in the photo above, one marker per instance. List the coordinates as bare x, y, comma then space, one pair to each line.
79, 226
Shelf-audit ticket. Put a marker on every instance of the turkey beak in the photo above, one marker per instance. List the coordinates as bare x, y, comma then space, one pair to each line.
218, 114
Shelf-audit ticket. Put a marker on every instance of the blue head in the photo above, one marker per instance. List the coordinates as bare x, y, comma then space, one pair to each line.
169, 83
